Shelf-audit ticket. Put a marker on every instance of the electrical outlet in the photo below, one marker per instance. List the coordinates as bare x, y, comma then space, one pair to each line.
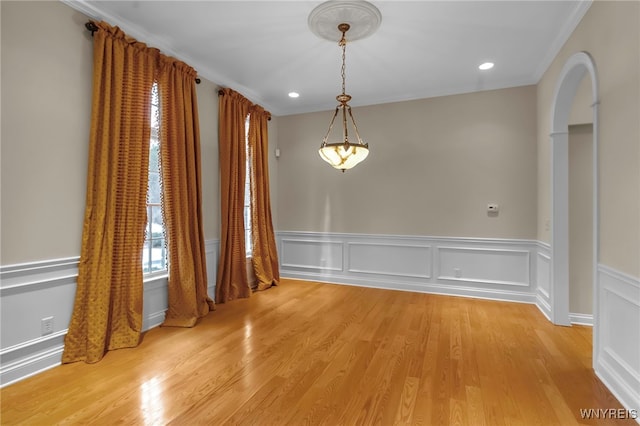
457, 272
46, 325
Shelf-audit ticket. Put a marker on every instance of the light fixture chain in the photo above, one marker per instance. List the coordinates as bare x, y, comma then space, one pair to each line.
343, 43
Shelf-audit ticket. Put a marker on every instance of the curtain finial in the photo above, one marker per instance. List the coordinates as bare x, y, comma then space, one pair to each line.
91, 26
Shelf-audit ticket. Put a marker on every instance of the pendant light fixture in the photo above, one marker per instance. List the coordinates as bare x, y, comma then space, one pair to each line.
343, 153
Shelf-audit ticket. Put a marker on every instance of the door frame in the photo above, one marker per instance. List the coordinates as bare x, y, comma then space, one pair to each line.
574, 70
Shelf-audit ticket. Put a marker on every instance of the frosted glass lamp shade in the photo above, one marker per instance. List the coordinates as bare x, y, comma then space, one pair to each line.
343, 156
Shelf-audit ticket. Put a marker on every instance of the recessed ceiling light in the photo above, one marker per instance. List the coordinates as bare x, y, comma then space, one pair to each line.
294, 94
486, 66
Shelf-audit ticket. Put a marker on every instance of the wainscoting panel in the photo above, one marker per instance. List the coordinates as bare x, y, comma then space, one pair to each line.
543, 279
484, 265
484, 268
390, 259
37, 290
618, 347
311, 254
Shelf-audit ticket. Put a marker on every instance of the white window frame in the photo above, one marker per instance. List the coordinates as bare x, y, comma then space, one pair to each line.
150, 252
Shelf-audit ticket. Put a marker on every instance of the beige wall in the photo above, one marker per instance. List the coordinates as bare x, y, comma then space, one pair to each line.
46, 103
46, 107
433, 167
610, 33
273, 170
581, 219
208, 117
582, 109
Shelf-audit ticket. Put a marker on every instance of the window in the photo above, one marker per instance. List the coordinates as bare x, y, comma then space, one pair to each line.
247, 193
154, 252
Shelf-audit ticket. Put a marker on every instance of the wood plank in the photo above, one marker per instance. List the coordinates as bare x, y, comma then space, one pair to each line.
313, 353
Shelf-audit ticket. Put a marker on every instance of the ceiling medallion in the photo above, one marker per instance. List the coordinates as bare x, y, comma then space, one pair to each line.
362, 17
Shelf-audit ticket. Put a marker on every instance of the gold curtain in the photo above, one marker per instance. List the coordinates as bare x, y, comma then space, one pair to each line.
232, 282
107, 311
182, 194
265, 255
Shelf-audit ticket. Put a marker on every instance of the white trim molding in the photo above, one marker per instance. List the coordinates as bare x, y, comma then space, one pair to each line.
543, 278
578, 66
32, 357
581, 319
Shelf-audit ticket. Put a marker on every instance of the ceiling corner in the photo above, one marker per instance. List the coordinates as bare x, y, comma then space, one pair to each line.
568, 28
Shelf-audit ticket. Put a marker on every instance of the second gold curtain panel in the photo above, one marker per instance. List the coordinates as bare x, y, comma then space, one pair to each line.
182, 194
232, 280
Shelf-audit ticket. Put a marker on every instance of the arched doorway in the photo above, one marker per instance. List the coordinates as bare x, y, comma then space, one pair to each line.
576, 67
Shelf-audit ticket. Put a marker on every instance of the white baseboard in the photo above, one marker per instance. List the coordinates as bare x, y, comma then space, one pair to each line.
32, 357
446, 290
543, 305
581, 319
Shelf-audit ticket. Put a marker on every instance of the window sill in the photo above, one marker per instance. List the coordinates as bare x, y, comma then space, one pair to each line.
155, 276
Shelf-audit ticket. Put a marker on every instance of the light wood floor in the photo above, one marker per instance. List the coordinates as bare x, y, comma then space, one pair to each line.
310, 353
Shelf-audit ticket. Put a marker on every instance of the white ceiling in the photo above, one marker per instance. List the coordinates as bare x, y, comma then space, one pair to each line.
264, 49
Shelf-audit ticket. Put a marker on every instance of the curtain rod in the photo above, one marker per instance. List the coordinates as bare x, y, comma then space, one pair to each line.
90, 26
